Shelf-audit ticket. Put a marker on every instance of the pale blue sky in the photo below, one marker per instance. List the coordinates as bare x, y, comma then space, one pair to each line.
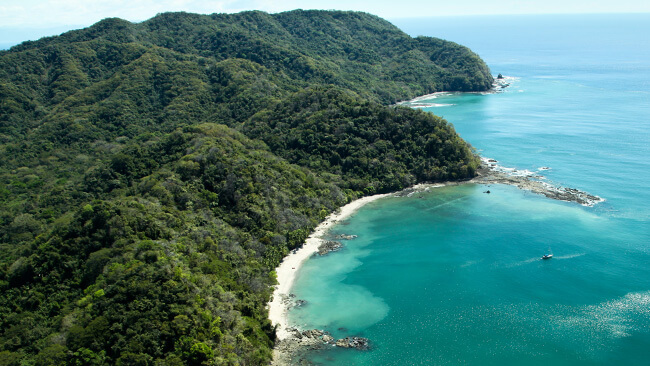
31, 19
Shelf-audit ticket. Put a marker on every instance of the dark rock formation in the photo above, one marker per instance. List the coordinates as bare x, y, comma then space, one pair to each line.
489, 173
293, 350
345, 237
300, 302
359, 343
329, 246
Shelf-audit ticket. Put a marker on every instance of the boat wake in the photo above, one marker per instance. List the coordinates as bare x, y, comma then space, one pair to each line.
570, 256
537, 259
445, 203
521, 263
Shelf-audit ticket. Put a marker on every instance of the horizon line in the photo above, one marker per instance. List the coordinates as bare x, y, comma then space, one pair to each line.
57, 30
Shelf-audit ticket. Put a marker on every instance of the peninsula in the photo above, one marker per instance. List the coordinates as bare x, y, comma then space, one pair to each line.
156, 173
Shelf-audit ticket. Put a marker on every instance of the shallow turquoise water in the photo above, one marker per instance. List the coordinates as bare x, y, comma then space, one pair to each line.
453, 276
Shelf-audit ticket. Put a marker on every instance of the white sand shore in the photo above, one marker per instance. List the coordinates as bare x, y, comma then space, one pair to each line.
287, 270
488, 174
288, 347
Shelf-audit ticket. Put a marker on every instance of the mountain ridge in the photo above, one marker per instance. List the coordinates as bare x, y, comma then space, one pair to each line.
156, 173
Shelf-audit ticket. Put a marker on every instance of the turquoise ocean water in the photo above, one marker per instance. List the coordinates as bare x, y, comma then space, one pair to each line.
453, 276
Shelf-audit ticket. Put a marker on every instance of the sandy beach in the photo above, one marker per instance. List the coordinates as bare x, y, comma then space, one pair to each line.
489, 173
287, 270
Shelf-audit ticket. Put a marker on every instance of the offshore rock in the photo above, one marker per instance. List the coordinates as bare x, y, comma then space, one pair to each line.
345, 237
300, 302
313, 333
329, 246
501, 83
328, 338
289, 301
359, 343
294, 349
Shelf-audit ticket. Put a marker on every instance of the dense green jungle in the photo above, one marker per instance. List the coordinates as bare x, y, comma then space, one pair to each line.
154, 174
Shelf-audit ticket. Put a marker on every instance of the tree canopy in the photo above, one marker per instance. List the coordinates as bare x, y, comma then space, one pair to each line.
154, 174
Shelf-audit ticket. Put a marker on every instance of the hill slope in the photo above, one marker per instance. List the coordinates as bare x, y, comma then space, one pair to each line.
154, 174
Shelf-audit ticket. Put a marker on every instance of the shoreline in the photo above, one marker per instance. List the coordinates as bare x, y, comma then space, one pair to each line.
498, 86
287, 270
288, 344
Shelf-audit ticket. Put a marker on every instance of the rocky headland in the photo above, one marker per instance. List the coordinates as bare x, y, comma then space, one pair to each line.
492, 173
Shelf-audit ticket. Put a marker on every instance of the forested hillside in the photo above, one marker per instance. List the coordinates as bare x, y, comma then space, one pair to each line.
154, 174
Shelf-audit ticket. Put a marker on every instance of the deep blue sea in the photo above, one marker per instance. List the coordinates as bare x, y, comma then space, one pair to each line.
453, 276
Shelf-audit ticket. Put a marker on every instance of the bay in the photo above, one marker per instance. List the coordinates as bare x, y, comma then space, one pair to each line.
454, 275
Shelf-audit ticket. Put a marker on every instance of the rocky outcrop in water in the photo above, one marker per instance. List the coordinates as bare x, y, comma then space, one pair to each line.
329, 246
299, 303
345, 237
292, 351
359, 343
500, 83
290, 301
